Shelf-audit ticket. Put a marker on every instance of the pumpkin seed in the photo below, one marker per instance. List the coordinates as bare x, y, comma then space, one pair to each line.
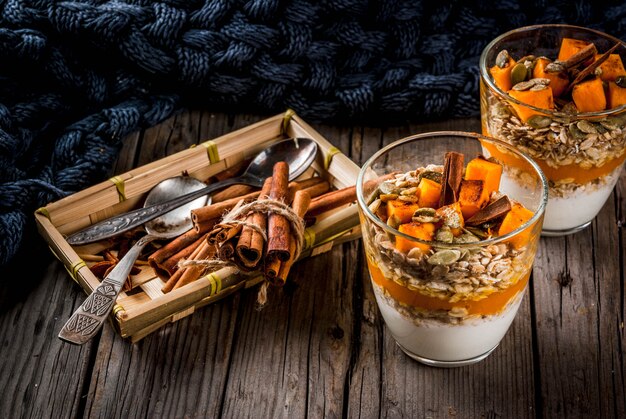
586, 127
393, 222
600, 128
524, 85
576, 132
424, 211
527, 58
408, 198
502, 59
415, 253
425, 215
539, 121
466, 237
425, 219
375, 205
569, 108
538, 87
444, 234
385, 197
610, 124
444, 257
476, 232
519, 73
555, 67
621, 81
387, 188
409, 191
430, 175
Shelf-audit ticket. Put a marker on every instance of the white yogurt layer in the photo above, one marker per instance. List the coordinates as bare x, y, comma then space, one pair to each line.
572, 210
575, 209
439, 341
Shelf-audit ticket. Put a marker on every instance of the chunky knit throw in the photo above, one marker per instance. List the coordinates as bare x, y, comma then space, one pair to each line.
77, 76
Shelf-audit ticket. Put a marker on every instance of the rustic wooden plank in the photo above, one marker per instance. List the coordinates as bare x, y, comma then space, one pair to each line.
579, 310
365, 373
290, 358
178, 371
609, 281
40, 375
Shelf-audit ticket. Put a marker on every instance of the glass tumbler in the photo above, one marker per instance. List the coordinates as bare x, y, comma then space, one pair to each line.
451, 302
581, 147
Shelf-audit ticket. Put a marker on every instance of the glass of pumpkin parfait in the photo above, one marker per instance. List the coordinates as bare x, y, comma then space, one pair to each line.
558, 93
450, 234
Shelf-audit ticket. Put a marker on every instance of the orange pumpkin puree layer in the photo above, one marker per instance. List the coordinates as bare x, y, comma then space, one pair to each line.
491, 304
573, 171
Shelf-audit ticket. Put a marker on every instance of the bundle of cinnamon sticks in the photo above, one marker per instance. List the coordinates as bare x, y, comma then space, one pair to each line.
259, 240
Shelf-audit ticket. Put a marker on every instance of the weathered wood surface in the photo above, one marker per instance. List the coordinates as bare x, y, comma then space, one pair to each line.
320, 348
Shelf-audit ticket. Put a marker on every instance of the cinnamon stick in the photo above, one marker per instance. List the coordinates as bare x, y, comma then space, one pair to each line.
232, 171
249, 248
179, 243
317, 189
192, 273
272, 267
278, 229
204, 216
300, 205
231, 192
166, 268
226, 249
331, 200
452, 176
496, 209
169, 285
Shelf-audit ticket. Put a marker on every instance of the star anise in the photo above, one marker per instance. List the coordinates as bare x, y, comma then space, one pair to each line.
103, 268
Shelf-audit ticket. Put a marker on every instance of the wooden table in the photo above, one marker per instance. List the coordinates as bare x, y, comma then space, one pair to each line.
321, 348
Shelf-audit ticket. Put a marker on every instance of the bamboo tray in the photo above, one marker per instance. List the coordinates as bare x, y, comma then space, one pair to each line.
145, 309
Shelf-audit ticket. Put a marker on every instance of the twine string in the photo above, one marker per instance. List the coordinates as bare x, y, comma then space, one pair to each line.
237, 216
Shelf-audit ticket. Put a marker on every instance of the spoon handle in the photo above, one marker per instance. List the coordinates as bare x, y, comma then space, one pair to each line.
129, 220
91, 315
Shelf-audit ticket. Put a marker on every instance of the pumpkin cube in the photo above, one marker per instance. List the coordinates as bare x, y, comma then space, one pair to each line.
589, 96
502, 76
616, 96
558, 81
423, 231
513, 220
429, 193
473, 196
541, 99
401, 210
612, 67
569, 47
485, 170
452, 216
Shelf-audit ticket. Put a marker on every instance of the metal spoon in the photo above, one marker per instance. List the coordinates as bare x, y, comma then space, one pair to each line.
299, 153
90, 316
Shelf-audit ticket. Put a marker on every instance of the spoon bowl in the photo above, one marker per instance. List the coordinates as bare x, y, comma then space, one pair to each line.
90, 316
298, 153
178, 220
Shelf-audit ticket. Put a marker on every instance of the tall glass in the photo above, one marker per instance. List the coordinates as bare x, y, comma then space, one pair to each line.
581, 153
450, 303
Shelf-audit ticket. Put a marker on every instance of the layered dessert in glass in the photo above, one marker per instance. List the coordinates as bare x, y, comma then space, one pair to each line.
450, 234
558, 93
